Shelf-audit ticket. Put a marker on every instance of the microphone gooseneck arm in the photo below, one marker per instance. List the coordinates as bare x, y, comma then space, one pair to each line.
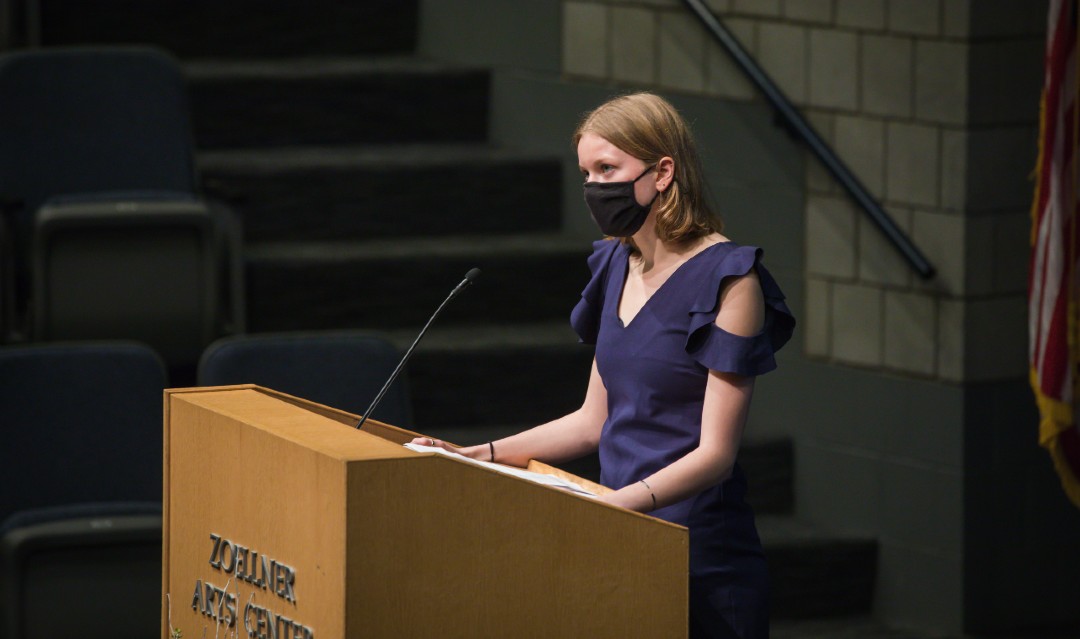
470, 277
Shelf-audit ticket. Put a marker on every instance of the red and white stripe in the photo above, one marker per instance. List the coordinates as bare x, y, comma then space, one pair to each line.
1053, 276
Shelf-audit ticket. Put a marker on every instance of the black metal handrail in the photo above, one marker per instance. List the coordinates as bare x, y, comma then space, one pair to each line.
798, 125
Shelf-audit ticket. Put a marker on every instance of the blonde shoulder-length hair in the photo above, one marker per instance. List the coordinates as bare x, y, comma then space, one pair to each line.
648, 127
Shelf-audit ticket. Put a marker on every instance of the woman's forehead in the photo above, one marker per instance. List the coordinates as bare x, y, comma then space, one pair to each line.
591, 146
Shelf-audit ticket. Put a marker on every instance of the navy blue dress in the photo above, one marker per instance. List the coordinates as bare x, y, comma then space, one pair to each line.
655, 370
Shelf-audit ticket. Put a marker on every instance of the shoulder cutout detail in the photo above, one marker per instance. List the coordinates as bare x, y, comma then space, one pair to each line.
720, 350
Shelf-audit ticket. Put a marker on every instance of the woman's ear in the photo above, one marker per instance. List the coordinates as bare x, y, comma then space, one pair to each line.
665, 173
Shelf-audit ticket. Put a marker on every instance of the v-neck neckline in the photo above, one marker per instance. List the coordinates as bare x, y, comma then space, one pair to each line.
626, 272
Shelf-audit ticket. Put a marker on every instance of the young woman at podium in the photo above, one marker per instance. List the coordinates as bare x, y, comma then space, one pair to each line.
683, 319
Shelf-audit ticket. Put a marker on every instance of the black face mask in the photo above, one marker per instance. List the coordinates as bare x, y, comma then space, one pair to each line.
614, 208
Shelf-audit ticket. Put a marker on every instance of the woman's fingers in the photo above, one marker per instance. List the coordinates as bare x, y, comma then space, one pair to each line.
430, 441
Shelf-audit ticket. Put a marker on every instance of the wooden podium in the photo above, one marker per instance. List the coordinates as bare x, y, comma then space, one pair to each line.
286, 521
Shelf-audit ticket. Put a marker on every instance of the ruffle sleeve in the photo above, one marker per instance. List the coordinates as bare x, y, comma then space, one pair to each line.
719, 350
585, 318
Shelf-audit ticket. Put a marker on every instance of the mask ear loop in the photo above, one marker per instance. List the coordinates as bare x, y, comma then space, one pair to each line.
658, 191
644, 173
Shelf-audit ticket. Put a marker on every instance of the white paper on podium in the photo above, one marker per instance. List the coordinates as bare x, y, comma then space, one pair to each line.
539, 478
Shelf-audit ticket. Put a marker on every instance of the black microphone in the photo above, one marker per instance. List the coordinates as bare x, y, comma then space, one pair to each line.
470, 277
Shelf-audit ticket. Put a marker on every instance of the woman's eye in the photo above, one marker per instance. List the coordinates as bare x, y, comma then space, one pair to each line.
603, 169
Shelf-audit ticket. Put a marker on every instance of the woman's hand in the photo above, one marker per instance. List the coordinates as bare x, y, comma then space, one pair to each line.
466, 451
433, 443
635, 497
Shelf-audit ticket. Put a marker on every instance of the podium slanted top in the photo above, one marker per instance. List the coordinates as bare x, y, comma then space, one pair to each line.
322, 429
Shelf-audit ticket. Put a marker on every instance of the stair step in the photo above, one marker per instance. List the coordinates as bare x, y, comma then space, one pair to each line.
770, 473
390, 284
316, 193
816, 574
335, 101
854, 627
460, 387
242, 28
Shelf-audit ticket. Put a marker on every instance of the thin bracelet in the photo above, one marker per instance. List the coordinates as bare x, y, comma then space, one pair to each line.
492, 447
650, 493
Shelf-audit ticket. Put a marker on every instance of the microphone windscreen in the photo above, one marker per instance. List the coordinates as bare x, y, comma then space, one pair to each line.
472, 275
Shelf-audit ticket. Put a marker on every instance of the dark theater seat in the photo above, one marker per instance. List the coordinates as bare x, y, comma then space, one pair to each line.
81, 423
341, 369
135, 269
100, 137
80, 487
82, 571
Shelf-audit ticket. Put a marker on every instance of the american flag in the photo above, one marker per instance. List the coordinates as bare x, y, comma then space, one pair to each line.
1052, 287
